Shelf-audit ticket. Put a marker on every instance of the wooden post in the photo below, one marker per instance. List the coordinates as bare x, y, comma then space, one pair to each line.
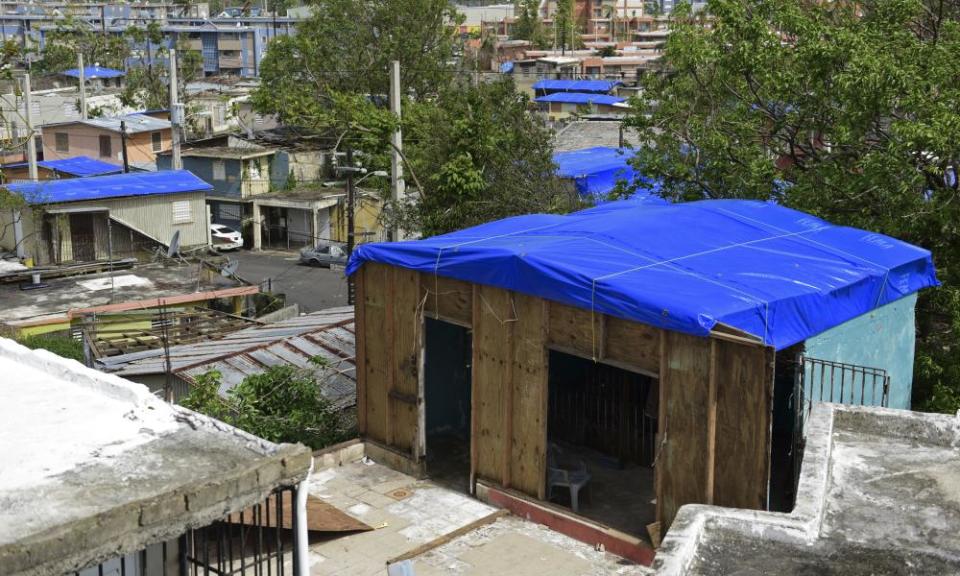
391, 355
507, 389
544, 398
661, 426
474, 428
359, 331
711, 424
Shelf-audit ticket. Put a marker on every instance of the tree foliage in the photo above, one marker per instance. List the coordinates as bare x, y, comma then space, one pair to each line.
72, 37
60, 344
845, 110
282, 404
528, 25
483, 156
472, 153
147, 83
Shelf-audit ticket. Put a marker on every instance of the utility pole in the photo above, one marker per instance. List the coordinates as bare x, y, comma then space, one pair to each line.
174, 113
18, 238
350, 221
397, 184
83, 86
123, 145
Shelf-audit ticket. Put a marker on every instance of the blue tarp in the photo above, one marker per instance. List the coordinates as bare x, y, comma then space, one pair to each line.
91, 72
133, 184
770, 271
596, 86
581, 98
79, 166
506, 67
596, 171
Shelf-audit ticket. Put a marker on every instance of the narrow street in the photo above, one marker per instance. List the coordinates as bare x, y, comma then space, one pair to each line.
312, 288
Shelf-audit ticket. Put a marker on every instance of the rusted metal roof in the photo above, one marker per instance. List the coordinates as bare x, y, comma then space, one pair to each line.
334, 344
258, 337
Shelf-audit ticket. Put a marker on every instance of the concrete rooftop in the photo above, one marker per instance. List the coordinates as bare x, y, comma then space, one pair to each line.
89, 290
93, 466
879, 494
581, 134
409, 514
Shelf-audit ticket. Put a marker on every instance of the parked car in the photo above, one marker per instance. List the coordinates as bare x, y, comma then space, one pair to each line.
225, 238
325, 254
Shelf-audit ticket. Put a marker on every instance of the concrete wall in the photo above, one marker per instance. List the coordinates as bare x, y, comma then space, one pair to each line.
883, 338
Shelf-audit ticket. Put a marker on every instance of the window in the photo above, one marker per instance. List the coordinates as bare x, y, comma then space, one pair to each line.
157, 141
219, 170
181, 212
106, 146
63, 141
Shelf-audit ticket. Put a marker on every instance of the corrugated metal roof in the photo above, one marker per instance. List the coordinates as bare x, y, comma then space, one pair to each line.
335, 344
136, 123
113, 186
181, 357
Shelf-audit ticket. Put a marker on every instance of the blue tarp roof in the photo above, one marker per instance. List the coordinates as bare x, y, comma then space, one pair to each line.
91, 72
80, 166
598, 86
132, 184
506, 67
580, 98
595, 171
770, 271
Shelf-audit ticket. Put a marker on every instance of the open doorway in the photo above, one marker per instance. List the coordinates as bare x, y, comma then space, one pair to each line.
448, 350
602, 426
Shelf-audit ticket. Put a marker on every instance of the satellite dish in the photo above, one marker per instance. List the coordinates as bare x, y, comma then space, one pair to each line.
230, 268
174, 248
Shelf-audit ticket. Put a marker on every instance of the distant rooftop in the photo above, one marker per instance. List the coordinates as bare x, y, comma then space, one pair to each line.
136, 287
879, 493
591, 133
95, 466
582, 98
135, 123
80, 166
94, 72
112, 186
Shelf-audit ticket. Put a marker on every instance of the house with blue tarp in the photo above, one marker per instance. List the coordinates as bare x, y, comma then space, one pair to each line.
596, 171
76, 167
663, 354
562, 104
99, 217
548, 86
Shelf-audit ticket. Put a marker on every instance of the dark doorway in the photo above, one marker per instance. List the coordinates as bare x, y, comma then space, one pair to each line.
602, 427
785, 450
447, 359
82, 238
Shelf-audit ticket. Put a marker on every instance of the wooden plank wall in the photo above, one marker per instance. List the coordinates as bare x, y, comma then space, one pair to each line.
715, 393
388, 386
715, 404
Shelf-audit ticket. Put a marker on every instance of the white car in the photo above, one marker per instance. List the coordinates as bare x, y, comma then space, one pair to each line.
225, 238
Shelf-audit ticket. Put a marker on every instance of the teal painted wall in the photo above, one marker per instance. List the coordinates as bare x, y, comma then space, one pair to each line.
883, 338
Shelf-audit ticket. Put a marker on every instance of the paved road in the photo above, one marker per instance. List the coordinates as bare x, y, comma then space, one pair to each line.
312, 288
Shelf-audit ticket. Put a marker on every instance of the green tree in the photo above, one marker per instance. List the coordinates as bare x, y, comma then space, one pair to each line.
845, 110
147, 84
72, 37
528, 25
567, 37
483, 157
61, 345
282, 404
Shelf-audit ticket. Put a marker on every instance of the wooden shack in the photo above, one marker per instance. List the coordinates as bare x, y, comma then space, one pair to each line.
651, 356
714, 403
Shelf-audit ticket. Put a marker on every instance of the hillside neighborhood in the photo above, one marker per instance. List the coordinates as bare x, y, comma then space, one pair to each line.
431, 287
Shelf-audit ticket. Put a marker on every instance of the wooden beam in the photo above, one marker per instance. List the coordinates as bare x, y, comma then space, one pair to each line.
450, 536
711, 424
544, 399
602, 336
661, 426
391, 352
506, 387
474, 423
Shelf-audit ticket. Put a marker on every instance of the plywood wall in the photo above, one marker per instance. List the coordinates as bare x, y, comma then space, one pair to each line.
715, 393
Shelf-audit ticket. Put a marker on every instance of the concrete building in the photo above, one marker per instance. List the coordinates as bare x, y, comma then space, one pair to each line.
101, 138
91, 219
878, 494
101, 477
